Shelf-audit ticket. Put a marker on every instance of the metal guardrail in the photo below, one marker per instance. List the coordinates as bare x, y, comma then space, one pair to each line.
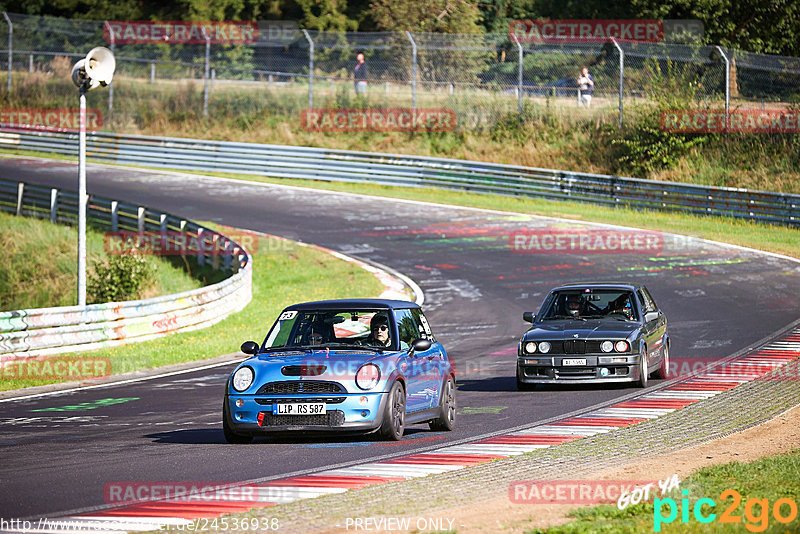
46, 331
414, 171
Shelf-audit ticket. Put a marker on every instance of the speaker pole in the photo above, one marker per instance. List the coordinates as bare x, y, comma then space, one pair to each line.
82, 200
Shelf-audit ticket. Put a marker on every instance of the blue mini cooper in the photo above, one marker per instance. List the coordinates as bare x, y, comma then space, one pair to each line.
363, 365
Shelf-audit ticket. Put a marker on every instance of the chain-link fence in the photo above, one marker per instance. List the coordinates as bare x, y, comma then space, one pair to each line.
480, 77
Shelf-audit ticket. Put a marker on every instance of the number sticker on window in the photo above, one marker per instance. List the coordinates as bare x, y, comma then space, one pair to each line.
285, 316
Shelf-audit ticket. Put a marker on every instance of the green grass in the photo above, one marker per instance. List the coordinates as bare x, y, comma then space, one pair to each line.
40, 268
770, 478
284, 273
552, 133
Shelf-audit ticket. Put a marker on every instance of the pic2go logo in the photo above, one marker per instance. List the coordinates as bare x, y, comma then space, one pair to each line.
756, 511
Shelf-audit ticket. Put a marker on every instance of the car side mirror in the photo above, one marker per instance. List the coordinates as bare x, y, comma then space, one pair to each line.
249, 347
650, 316
420, 345
528, 317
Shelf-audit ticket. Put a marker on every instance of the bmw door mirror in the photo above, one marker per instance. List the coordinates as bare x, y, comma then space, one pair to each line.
528, 317
249, 347
650, 316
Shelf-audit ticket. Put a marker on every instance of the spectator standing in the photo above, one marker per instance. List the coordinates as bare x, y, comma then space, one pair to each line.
586, 88
360, 75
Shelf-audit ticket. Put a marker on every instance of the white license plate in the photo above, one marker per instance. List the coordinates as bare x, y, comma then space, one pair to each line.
574, 361
304, 408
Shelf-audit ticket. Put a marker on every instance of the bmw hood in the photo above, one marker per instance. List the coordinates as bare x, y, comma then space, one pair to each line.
576, 329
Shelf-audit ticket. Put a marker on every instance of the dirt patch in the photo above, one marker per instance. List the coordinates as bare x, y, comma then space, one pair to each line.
780, 435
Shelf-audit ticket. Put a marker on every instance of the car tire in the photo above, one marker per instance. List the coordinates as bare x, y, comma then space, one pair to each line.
447, 407
663, 369
231, 436
643, 369
394, 414
522, 386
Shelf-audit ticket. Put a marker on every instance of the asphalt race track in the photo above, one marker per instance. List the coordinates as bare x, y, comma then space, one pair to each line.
60, 451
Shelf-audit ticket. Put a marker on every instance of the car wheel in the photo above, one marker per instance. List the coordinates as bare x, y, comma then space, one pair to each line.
643, 370
230, 435
663, 369
447, 407
522, 386
394, 414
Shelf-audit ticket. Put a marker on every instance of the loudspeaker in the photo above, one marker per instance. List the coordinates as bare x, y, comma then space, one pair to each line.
97, 68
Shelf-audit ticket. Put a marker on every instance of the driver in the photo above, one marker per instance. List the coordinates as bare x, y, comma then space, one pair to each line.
379, 334
573, 305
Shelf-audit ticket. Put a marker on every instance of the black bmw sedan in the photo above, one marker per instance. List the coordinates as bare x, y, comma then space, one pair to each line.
594, 332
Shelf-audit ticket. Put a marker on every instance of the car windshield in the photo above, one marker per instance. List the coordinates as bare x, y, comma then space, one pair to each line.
371, 329
587, 303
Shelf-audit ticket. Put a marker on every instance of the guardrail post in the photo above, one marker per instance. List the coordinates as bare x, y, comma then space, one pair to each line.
201, 259
152, 73
727, 86
10, 48
310, 68
215, 252
413, 71
227, 257
53, 205
621, 76
110, 85
20, 192
519, 75
205, 71
114, 215
140, 219
163, 222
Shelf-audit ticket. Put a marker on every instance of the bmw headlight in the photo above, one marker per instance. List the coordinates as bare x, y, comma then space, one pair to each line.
242, 378
530, 347
544, 347
368, 376
622, 346
606, 346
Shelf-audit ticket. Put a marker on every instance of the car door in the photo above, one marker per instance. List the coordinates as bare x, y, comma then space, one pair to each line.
652, 329
659, 328
418, 366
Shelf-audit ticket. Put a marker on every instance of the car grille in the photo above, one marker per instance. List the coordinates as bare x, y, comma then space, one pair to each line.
329, 419
300, 386
326, 400
574, 372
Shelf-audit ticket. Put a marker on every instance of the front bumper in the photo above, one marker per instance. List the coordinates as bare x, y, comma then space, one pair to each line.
346, 412
597, 370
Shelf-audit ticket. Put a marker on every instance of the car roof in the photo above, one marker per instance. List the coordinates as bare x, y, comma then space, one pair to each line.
339, 304
599, 285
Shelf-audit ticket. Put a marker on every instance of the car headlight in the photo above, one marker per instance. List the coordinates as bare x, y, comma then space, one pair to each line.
606, 346
530, 347
622, 346
242, 378
544, 347
368, 376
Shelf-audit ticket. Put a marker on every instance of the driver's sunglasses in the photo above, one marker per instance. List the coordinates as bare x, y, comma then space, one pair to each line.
381, 327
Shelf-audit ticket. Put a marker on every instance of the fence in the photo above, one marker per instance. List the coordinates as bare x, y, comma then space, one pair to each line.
417, 171
46, 331
480, 77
